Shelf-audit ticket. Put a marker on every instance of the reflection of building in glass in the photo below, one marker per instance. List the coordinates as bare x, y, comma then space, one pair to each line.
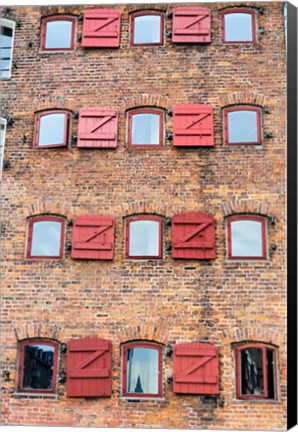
38, 367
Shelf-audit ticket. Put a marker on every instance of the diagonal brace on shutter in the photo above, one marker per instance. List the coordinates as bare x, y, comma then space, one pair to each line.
184, 242
196, 365
90, 133
94, 33
186, 30
95, 245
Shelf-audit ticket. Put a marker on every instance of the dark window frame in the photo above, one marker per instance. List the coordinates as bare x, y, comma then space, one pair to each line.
236, 108
264, 349
158, 219
41, 114
40, 341
244, 11
30, 235
51, 18
260, 219
132, 28
9, 24
142, 344
149, 110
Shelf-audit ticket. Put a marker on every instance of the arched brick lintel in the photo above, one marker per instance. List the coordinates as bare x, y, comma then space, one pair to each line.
45, 207
244, 98
54, 103
247, 206
37, 331
252, 333
143, 332
146, 100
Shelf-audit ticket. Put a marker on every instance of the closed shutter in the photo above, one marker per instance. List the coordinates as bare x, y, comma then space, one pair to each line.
193, 125
93, 237
191, 25
98, 128
101, 28
89, 367
193, 236
196, 368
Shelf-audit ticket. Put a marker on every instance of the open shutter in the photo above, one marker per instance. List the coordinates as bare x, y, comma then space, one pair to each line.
98, 128
193, 125
93, 237
89, 366
196, 368
101, 28
191, 25
193, 236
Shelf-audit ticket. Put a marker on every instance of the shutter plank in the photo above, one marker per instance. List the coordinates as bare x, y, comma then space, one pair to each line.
197, 380
98, 128
89, 373
191, 25
93, 246
101, 28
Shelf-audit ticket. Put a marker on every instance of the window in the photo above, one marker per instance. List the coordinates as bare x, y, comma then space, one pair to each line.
38, 367
238, 25
145, 128
147, 28
242, 125
144, 237
246, 237
46, 237
2, 143
142, 370
52, 129
256, 372
58, 33
6, 44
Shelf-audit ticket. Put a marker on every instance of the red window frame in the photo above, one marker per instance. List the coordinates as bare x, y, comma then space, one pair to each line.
66, 128
45, 21
132, 28
231, 219
244, 11
30, 235
146, 218
128, 346
226, 124
23, 344
145, 111
264, 349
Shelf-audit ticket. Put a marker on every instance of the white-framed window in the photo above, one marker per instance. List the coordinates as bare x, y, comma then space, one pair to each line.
7, 28
2, 142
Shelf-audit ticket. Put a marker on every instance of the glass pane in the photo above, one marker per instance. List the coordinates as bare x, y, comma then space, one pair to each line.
144, 238
251, 371
243, 126
51, 129
145, 129
6, 37
238, 27
246, 238
46, 238
2, 136
147, 29
270, 374
5, 53
5, 65
38, 367
58, 34
5, 74
142, 370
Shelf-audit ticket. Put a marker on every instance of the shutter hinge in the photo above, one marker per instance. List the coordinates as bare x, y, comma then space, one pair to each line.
70, 223
268, 135
272, 220
169, 33
80, 18
18, 24
74, 137
30, 45
63, 348
169, 246
261, 10
266, 110
6, 375
6, 165
273, 247
10, 121
170, 379
221, 401
170, 112
62, 377
169, 14
261, 30
68, 246
169, 350
2, 229
170, 136
79, 38
168, 222
76, 115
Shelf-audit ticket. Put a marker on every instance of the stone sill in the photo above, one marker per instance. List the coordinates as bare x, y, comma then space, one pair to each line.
134, 399
35, 395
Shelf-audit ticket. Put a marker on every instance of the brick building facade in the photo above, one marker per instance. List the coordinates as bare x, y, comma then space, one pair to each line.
218, 304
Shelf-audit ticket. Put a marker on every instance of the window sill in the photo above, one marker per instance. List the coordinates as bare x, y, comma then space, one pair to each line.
135, 399
259, 400
35, 395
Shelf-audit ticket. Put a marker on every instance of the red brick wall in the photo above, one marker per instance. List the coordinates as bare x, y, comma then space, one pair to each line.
166, 301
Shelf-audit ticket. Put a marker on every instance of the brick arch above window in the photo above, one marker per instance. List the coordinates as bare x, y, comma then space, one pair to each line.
147, 8
144, 207
253, 333
147, 332
256, 207
38, 330
43, 208
244, 98
148, 101
54, 102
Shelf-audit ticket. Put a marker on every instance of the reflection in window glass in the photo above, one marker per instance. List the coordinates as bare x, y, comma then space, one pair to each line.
58, 34
246, 238
145, 129
238, 27
147, 29
252, 372
46, 237
242, 126
6, 36
38, 367
142, 370
51, 129
144, 238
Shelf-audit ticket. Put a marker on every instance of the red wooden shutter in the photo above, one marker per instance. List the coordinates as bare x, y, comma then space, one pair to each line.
101, 28
193, 236
193, 125
196, 368
98, 128
89, 366
191, 25
93, 237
